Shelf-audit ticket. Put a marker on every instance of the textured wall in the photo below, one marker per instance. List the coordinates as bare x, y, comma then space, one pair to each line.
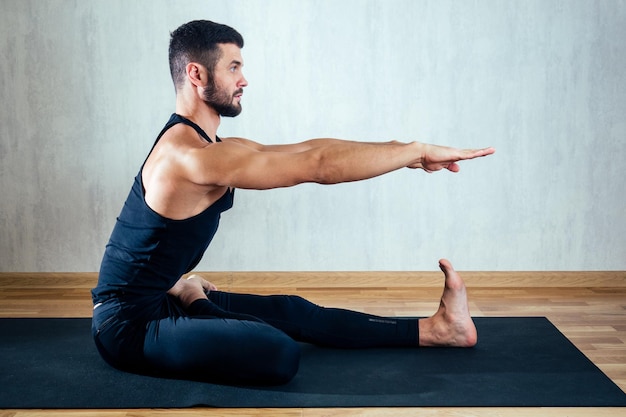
84, 87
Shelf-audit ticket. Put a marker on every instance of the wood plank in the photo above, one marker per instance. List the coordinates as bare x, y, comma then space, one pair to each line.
333, 279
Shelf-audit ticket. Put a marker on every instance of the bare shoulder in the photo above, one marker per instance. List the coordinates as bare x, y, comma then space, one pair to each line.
179, 175
173, 156
184, 136
244, 142
182, 145
205, 163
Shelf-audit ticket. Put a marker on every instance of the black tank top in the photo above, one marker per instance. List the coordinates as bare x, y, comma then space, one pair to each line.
147, 253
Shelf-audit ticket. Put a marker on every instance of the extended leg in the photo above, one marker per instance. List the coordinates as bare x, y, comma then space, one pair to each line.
451, 325
307, 322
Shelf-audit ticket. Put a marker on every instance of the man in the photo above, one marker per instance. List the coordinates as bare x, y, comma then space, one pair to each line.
149, 319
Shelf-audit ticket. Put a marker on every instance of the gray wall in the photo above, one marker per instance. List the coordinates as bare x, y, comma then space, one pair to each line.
85, 88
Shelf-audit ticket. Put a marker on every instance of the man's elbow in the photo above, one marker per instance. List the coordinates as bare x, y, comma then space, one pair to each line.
326, 171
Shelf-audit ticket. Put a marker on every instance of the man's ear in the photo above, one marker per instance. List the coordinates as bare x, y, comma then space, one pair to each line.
197, 74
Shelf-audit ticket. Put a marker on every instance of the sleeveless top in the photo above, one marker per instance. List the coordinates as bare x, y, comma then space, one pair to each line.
147, 253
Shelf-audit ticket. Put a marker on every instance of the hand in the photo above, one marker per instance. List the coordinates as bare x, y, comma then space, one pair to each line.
206, 285
435, 158
187, 290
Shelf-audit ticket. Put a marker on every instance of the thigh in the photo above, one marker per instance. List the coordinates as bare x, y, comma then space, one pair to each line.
281, 311
229, 350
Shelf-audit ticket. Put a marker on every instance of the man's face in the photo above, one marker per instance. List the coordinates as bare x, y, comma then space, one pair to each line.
224, 91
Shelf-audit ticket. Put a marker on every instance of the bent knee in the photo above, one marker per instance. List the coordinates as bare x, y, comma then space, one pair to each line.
284, 363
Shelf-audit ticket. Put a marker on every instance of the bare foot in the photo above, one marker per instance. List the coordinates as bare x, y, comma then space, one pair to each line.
452, 324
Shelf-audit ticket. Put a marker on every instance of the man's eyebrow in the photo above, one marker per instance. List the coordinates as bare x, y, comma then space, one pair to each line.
235, 62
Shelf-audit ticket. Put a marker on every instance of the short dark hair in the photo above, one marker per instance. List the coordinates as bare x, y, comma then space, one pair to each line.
198, 41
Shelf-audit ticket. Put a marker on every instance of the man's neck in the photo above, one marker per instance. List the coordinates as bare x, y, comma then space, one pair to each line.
199, 113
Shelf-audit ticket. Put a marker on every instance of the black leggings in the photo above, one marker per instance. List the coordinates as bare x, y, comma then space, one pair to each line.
238, 338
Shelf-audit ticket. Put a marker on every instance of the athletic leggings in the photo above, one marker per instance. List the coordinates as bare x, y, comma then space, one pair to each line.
234, 338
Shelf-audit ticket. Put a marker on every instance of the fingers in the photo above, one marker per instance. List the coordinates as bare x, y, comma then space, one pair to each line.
470, 154
465, 155
477, 153
206, 285
442, 157
453, 167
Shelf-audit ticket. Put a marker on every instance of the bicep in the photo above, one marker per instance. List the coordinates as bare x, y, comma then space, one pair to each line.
291, 147
236, 165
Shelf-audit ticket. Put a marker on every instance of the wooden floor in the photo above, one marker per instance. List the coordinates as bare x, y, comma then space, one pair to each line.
588, 307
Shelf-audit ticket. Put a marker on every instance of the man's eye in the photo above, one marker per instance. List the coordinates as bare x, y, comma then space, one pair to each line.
233, 69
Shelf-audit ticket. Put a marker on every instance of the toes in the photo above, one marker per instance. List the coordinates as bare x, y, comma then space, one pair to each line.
445, 266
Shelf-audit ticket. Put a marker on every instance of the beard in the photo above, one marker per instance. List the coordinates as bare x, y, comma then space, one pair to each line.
221, 101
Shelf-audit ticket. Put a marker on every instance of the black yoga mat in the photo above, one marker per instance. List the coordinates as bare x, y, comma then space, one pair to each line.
52, 363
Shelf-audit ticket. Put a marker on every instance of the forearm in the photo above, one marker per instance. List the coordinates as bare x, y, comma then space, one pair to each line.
345, 161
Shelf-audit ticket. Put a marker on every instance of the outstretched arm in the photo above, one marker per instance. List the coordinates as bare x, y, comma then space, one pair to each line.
437, 156
245, 164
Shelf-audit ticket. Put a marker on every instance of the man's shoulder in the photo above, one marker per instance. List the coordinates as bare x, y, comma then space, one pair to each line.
185, 137
180, 131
